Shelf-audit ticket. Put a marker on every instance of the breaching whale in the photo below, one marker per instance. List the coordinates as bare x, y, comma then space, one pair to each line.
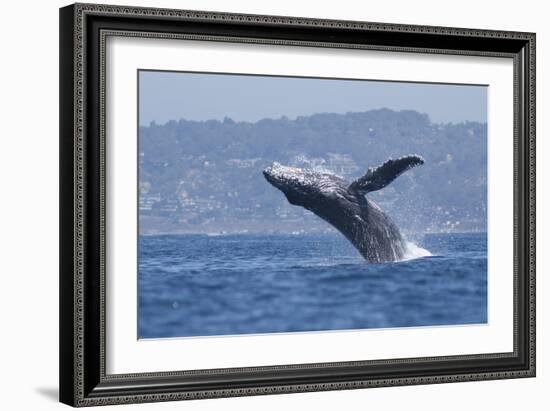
344, 205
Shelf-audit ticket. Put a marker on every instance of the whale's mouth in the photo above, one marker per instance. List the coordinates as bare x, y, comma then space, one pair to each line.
268, 174
270, 177
286, 179
277, 174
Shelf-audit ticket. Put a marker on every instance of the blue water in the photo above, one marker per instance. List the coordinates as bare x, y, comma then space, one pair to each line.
196, 285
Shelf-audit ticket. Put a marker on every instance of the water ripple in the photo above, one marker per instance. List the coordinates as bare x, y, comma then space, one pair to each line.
199, 285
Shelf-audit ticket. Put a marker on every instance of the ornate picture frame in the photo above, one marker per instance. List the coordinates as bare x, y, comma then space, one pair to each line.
84, 31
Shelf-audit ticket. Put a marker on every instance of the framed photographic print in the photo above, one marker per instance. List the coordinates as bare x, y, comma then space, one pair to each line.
262, 204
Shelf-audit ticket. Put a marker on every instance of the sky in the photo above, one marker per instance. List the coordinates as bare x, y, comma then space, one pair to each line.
165, 96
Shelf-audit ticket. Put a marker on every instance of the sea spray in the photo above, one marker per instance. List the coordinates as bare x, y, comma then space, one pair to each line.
413, 251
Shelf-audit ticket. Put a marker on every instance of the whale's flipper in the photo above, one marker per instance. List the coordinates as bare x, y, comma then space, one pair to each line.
379, 177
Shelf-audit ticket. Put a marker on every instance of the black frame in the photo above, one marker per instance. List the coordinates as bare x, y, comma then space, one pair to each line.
83, 29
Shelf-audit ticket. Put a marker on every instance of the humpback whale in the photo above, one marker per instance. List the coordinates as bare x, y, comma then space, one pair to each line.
344, 205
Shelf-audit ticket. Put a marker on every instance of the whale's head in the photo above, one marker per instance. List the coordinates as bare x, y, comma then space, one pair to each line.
304, 187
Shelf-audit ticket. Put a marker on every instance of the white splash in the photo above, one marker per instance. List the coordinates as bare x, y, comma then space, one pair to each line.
412, 251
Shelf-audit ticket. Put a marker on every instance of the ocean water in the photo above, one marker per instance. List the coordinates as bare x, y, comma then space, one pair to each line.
198, 285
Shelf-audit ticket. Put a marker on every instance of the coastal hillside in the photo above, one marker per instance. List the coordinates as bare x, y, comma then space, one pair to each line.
205, 176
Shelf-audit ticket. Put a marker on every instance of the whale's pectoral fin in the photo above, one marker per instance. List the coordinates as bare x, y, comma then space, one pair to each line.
379, 177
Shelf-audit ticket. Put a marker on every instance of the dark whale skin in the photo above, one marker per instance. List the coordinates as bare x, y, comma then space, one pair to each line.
344, 205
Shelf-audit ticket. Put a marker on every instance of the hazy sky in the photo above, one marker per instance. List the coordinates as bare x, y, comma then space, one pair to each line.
165, 96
